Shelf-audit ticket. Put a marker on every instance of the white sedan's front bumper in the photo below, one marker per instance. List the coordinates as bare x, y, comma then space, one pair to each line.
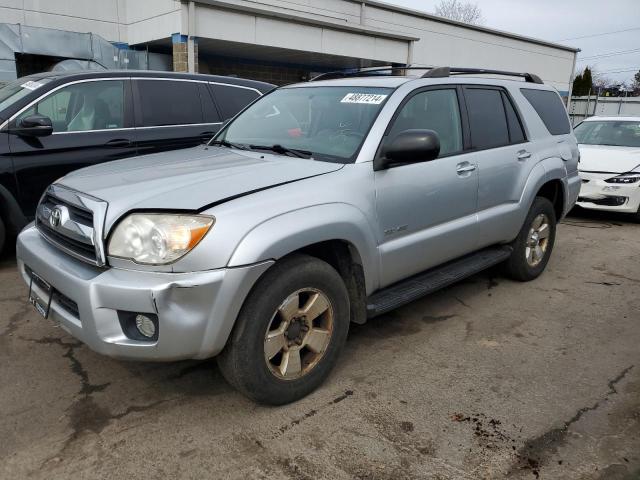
596, 194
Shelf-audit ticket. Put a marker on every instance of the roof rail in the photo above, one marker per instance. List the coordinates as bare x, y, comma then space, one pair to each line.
432, 72
440, 72
363, 72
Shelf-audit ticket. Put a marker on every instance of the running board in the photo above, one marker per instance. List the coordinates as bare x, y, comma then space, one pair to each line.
406, 291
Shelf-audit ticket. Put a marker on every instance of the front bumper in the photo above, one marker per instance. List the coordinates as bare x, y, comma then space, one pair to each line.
596, 194
196, 311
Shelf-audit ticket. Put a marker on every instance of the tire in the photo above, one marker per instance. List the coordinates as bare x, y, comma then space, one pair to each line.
526, 263
3, 235
275, 309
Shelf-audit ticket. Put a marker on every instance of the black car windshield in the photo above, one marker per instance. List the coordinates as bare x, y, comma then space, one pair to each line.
609, 132
325, 123
14, 91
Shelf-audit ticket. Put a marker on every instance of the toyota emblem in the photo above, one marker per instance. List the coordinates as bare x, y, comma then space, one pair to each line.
54, 218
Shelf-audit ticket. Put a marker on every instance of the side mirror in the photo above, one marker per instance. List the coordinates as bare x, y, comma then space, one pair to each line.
33, 126
410, 146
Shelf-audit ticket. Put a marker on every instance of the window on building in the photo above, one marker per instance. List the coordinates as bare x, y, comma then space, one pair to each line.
435, 110
168, 102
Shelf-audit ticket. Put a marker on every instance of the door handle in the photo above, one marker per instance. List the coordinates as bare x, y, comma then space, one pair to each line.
119, 142
523, 155
465, 167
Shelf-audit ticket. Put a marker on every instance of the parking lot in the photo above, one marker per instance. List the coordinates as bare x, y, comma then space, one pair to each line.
487, 379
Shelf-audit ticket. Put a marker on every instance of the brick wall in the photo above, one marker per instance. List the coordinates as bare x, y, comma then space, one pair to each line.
277, 75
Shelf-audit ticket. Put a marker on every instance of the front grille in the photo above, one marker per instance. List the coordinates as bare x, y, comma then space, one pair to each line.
84, 250
610, 201
77, 214
66, 219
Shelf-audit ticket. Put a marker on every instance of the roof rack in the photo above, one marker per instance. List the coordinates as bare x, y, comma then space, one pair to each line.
440, 72
363, 72
432, 72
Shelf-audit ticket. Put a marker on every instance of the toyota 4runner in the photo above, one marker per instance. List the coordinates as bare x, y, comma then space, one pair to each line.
320, 204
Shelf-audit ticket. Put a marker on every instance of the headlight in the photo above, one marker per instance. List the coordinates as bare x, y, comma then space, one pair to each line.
625, 178
157, 239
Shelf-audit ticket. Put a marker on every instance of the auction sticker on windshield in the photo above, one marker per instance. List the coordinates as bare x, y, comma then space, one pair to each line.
31, 85
367, 98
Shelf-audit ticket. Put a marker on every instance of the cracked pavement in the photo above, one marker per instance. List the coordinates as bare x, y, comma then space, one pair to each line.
487, 379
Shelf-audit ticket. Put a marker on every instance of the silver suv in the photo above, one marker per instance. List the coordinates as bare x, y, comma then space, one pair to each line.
320, 204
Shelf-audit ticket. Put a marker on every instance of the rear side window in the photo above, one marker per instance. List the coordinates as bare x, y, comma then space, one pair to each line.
516, 133
550, 109
166, 102
487, 118
232, 99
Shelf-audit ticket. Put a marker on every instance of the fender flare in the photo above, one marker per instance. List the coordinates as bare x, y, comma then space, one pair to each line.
548, 170
291, 231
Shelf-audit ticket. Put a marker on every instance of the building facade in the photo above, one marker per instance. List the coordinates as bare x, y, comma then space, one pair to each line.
284, 41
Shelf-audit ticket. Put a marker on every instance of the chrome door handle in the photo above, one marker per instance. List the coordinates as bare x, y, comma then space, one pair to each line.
523, 155
465, 168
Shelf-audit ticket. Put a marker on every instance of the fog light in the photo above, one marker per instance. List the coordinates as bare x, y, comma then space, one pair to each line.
145, 326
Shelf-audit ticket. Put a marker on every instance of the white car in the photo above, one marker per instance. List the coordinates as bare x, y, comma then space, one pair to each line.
610, 164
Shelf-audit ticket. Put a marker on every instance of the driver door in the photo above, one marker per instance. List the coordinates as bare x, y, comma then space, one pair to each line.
427, 211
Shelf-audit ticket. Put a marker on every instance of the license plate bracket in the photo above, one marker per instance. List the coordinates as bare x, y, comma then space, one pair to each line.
41, 302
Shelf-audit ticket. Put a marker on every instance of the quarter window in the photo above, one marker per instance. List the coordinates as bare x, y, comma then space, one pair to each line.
83, 106
487, 118
231, 99
550, 109
435, 110
167, 102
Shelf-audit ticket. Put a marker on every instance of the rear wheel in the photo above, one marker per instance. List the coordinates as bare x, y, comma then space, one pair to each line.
289, 333
534, 244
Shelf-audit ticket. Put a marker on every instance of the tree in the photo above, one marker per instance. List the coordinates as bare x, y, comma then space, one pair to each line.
636, 81
583, 83
465, 12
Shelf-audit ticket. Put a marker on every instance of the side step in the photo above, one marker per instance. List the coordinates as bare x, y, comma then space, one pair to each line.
406, 291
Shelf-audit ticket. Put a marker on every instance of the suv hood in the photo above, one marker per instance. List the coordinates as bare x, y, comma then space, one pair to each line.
610, 159
188, 179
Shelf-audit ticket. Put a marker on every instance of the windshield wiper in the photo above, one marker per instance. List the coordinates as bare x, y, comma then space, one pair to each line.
292, 152
227, 144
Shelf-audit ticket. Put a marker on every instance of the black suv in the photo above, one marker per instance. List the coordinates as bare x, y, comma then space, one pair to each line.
53, 123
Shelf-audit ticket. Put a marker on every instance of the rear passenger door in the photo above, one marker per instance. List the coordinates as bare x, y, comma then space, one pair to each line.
232, 98
504, 158
172, 114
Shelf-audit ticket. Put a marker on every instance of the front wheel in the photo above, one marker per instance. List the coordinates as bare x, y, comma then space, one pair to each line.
533, 245
289, 333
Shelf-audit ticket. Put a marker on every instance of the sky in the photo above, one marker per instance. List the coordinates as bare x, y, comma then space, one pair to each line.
564, 21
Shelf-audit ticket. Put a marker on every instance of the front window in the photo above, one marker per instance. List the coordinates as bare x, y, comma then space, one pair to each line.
609, 132
83, 106
14, 91
328, 123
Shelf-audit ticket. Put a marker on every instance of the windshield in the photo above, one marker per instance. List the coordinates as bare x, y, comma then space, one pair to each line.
14, 91
326, 123
609, 132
